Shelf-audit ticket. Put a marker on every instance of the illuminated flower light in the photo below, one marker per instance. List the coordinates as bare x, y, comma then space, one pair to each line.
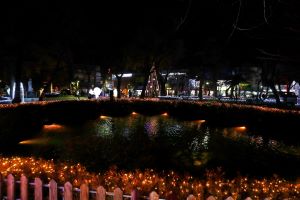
103, 117
199, 121
241, 128
53, 127
165, 183
165, 114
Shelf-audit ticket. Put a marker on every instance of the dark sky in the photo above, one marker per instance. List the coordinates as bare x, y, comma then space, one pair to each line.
88, 27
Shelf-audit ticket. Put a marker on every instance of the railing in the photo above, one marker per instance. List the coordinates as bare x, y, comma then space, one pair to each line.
67, 191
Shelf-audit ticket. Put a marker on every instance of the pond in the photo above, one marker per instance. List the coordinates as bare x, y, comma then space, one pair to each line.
162, 143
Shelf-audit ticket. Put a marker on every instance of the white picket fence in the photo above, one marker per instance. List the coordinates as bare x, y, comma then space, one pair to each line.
67, 191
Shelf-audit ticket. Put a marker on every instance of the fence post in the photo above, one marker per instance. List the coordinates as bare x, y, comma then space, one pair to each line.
229, 198
211, 198
191, 197
1, 180
100, 193
52, 190
24, 188
84, 192
38, 189
153, 196
118, 194
10, 187
134, 194
68, 191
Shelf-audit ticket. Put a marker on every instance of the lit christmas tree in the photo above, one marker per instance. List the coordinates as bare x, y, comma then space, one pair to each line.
152, 89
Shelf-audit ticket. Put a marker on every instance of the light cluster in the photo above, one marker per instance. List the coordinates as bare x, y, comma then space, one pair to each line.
165, 183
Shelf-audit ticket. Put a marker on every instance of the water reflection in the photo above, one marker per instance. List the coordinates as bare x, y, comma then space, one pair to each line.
37, 141
151, 126
206, 139
104, 126
53, 127
161, 142
240, 134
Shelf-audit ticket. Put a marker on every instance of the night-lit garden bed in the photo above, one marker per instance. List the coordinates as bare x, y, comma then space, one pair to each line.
215, 111
166, 183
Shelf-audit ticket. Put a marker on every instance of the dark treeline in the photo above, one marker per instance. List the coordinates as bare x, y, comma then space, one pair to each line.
45, 40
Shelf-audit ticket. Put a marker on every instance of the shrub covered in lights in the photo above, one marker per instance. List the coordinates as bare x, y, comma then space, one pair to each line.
165, 183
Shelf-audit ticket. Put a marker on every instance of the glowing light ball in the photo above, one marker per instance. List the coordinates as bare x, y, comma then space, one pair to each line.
97, 92
115, 93
91, 92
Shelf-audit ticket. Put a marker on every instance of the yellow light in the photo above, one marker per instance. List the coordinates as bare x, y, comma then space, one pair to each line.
134, 113
200, 121
165, 114
197, 163
53, 126
241, 128
25, 142
35, 141
103, 117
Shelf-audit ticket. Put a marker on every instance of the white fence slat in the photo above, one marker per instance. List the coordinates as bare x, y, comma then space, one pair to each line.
191, 197
211, 198
134, 195
52, 190
84, 192
118, 194
68, 191
229, 198
1, 181
100, 193
10, 187
153, 196
24, 188
38, 189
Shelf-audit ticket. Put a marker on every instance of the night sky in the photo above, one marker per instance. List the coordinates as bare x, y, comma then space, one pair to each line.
236, 30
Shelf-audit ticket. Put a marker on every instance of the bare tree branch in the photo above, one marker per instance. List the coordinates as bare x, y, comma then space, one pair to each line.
265, 16
236, 21
292, 29
249, 28
268, 53
182, 20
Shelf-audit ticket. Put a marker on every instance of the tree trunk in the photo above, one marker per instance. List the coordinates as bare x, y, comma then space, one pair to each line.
258, 91
147, 73
231, 91
146, 77
215, 88
275, 92
200, 95
53, 74
162, 83
18, 73
119, 81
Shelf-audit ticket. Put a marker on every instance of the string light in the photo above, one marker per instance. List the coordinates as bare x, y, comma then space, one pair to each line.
165, 183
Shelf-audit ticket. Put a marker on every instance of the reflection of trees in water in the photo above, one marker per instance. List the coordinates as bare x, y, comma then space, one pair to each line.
104, 127
152, 126
159, 142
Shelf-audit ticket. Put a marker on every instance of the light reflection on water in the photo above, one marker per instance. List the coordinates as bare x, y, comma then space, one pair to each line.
155, 141
104, 127
37, 141
151, 126
53, 127
240, 134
